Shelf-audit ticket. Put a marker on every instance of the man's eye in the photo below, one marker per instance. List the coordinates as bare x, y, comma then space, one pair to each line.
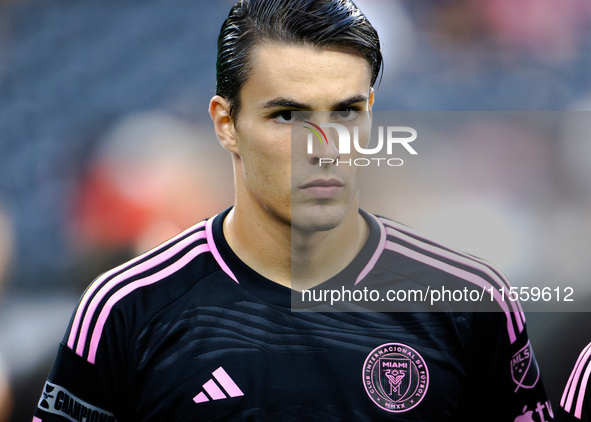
289, 116
344, 115
284, 116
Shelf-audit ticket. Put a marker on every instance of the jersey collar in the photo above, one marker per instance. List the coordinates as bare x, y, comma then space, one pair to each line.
274, 293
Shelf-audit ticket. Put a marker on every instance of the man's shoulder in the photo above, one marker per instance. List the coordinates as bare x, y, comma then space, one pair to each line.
409, 242
132, 293
409, 252
174, 265
445, 275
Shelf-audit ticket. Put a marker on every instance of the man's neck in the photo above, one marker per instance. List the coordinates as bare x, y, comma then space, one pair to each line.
320, 255
299, 260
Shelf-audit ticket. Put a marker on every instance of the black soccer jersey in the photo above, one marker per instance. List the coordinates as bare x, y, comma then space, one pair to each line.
575, 403
188, 332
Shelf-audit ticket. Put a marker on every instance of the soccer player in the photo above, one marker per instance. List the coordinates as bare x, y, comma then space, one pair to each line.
201, 327
575, 403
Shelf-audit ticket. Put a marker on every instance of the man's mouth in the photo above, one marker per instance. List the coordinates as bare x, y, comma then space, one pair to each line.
323, 188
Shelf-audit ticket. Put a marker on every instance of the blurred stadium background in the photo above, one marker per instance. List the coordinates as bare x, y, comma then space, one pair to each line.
106, 149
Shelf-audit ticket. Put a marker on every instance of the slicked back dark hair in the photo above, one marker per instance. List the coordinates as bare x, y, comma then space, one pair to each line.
316, 23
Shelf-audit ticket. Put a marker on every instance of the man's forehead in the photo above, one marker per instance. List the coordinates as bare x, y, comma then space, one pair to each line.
304, 75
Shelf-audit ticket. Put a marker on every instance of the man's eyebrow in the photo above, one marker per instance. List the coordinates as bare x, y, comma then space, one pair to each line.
344, 104
286, 102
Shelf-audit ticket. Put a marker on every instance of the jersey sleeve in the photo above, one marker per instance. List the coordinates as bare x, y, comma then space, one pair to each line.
506, 382
575, 402
84, 385
564, 416
74, 391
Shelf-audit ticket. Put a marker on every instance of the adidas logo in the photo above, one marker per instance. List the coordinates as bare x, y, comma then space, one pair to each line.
214, 391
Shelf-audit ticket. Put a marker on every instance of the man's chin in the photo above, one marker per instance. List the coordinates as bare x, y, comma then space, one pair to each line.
316, 219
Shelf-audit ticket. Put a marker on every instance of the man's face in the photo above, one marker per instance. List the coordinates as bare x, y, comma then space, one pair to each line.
283, 179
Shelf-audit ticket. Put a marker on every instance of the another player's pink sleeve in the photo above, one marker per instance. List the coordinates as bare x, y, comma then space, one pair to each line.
575, 403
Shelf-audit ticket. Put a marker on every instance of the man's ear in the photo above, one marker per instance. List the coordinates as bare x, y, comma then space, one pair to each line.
219, 110
371, 98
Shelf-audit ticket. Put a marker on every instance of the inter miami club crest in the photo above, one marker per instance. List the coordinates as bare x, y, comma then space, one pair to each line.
524, 368
395, 377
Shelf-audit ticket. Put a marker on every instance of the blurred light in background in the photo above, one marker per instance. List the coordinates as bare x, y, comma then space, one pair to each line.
6, 248
153, 177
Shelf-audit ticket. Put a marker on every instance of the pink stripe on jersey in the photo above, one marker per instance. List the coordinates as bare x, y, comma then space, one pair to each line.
459, 259
213, 390
376, 254
35, 419
582, 389
227, 382
398, 231
572, 375
468, 276
133, 271
571, 386
124, 291
214, 250
95, 285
